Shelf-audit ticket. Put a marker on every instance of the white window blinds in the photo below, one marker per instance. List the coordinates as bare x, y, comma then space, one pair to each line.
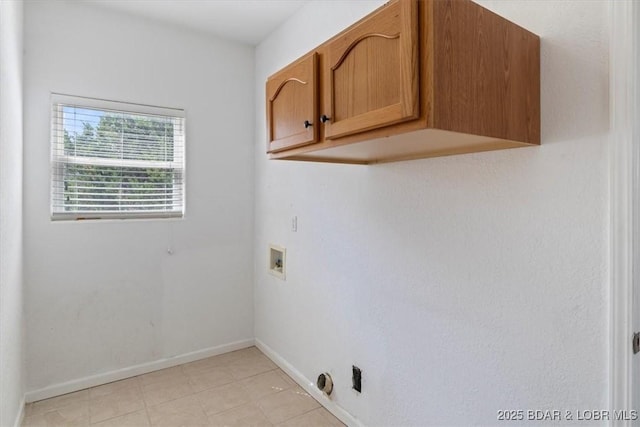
115, 160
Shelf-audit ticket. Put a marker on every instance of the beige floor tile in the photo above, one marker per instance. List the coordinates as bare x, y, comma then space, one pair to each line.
28, 409
73, 414
171, 389
135, 419
163, 375
317, 418
245, 415
268, 383
250, 366
241, 388
223, 398
210, 378
46, 405
130, 384
115, 404
287, 404
202, 365
186, 411
234, 356
34, 421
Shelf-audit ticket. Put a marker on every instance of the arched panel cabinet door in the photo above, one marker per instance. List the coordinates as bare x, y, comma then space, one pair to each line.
370, 73
292, 105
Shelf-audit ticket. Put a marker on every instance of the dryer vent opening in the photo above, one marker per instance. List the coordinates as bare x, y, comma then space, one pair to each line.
325, 383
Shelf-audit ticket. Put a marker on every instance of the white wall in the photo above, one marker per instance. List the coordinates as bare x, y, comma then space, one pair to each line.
106, 295
11, 283
459, 285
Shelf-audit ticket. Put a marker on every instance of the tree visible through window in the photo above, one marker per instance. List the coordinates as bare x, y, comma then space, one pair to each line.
116, 163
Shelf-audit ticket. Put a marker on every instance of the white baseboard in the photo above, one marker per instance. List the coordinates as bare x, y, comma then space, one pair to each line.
309, 386
120, 374
20, 416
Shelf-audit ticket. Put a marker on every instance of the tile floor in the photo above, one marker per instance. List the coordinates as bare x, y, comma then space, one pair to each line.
241, 388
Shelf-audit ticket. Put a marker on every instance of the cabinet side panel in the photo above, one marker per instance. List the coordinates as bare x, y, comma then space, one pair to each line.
486, 73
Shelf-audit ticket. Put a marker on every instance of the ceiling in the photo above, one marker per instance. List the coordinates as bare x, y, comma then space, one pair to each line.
247, 21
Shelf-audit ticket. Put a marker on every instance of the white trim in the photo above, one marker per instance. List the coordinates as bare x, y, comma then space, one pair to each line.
20, 415
103, 104
623, 92
309, 386
144, 368
103, 216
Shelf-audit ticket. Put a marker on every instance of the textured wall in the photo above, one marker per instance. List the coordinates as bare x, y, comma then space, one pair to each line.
11, 288
460, 285
106, 295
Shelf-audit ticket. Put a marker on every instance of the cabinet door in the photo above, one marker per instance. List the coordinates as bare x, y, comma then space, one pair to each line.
370, 75
292, 105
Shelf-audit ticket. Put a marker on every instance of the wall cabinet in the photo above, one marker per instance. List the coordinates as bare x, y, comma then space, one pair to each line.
370, 73
292, 100
413, 79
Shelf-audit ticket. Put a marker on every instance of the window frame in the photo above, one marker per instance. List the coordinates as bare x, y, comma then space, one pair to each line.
57, 102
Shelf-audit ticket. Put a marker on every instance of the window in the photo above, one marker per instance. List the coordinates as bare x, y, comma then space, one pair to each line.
115, 160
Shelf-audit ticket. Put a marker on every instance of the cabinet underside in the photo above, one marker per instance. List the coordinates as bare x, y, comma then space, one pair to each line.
407, 146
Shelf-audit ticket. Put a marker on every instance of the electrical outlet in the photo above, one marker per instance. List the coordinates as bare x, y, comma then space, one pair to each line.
294, 224
356, 378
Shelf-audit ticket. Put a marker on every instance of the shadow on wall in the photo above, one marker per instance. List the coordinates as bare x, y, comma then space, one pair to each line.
574, 93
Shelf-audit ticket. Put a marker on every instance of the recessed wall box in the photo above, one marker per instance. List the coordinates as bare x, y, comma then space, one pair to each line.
277, 261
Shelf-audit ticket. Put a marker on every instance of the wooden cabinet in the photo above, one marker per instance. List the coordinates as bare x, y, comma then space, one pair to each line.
292, 105
370, 73
413, 79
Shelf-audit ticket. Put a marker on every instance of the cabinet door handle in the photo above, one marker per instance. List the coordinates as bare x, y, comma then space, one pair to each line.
307, 123
324, 118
